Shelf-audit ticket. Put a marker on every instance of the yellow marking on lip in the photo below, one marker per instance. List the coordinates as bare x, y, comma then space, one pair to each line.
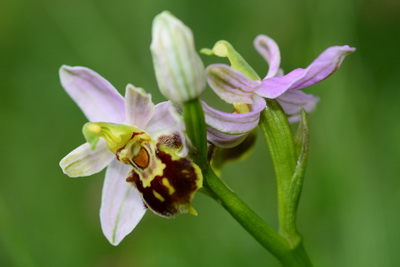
166, 183
158, 196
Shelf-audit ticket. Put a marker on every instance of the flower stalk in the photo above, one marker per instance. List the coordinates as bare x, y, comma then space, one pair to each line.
254, 225
193, 116
260, 230
289, 253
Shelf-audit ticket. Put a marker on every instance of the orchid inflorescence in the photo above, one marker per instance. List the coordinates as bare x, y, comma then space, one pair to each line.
159, 156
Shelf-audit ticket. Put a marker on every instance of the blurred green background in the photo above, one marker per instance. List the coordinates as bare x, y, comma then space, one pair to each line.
349, 212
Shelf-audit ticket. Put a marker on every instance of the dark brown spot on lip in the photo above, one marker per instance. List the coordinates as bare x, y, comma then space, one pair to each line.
142, 159
181, 176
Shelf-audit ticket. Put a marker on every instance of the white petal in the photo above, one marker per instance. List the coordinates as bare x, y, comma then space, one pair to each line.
83, 161
121, 206
166, 120
138, 107
95, 96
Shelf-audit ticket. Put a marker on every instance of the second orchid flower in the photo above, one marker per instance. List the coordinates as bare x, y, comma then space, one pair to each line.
233, 86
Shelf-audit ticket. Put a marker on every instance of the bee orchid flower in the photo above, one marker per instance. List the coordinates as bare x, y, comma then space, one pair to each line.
141, 144
235, 87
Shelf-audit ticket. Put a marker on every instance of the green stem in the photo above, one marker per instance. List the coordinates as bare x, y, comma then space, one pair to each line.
287, 253
297, 257
196, 131
260, 230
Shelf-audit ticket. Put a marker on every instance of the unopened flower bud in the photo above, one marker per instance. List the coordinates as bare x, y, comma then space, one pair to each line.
179, 70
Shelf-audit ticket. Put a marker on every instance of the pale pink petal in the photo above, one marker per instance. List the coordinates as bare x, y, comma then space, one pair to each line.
121, 206
291, 101
83, 161
138, 107
270, 51
224, 140
94, 95
321, 68
230, 85
279, 73
165, 120
229, 129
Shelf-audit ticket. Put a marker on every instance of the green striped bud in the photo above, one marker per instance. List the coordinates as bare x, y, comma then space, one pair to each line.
179, 70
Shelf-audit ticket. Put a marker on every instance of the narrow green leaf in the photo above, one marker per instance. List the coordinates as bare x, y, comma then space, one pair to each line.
296, 183
278, 135
301, 134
